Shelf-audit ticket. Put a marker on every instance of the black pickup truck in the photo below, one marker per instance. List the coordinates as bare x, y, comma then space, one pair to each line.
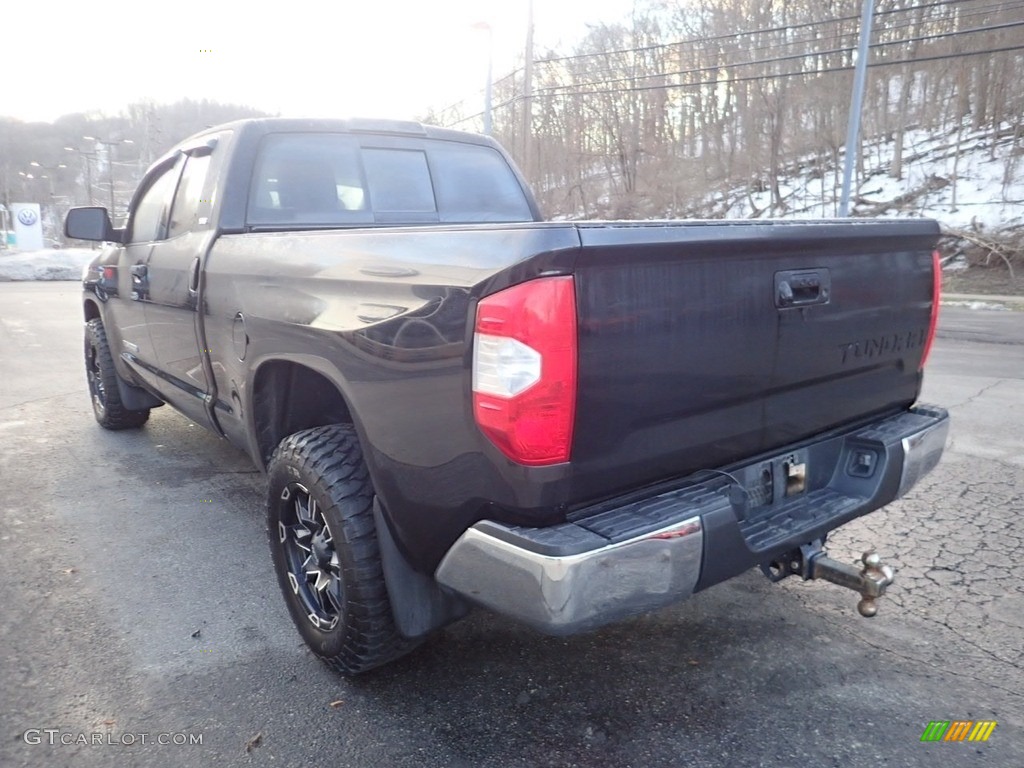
458, 404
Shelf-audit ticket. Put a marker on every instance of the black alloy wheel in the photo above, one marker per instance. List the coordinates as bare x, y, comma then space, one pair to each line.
314, 571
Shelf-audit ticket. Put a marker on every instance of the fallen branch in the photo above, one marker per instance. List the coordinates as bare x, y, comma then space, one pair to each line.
990, 246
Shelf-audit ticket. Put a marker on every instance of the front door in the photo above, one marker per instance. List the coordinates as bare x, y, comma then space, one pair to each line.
147, 225
173, 273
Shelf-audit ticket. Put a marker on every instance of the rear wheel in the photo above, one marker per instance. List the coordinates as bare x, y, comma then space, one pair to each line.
102, 378
324, 545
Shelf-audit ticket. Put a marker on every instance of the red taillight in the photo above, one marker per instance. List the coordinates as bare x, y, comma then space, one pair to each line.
524, 370
936, 299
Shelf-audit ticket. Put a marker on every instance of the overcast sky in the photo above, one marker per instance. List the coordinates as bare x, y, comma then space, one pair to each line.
376, 58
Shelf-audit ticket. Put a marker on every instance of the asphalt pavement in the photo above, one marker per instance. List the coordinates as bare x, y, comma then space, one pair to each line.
138, 604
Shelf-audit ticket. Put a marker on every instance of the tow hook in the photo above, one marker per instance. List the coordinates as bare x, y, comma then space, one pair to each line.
868, 576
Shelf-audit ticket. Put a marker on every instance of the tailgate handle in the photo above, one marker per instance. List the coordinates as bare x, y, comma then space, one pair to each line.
802, 288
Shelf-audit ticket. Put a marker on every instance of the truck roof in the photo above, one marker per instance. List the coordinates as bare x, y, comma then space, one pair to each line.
249, 133
263, 125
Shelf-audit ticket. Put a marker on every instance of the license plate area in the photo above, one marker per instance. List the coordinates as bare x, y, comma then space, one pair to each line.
777, 479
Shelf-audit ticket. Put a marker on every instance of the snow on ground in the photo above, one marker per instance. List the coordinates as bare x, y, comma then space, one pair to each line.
48, 264
965, 182
975, 305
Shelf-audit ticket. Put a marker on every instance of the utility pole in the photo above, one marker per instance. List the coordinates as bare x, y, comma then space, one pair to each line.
856, 103
109, 145
527, 129
88, 170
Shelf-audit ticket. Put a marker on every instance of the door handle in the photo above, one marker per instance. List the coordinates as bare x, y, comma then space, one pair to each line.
193, 276
803, 291
802, 288
140, 281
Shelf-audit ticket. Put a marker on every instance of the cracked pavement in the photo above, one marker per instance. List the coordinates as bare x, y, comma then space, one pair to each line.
957, 539
130, 604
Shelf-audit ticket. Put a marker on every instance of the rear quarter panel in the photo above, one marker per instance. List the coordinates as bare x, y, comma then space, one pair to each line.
385, 315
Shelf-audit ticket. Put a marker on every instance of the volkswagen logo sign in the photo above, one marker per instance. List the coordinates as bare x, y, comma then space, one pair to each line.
27, 217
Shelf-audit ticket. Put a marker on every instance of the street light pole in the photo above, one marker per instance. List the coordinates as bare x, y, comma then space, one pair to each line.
88, 170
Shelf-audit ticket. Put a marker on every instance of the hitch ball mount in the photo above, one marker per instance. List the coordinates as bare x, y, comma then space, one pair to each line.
868, 576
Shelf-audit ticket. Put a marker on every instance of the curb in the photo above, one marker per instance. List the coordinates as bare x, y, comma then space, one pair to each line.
982, 301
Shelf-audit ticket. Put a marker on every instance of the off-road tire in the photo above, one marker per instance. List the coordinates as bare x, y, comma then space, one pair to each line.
101, 377
325, 465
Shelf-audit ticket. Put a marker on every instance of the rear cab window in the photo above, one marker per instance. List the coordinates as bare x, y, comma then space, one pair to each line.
336, 179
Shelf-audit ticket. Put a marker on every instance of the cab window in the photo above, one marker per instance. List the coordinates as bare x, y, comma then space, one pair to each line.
308, 179
325, 179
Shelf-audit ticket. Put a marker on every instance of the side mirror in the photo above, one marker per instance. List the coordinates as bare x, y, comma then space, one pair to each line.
91, 223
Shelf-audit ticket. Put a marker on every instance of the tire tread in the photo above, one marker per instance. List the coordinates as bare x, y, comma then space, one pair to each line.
115, 415
332, 454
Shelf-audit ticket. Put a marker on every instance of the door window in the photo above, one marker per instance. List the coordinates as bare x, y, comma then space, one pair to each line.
149, 219
189, 198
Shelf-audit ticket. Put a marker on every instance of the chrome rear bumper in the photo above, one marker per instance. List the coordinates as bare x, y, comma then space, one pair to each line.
921, 453
622, 559
563, 595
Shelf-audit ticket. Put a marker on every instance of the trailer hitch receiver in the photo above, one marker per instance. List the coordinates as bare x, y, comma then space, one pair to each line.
868, 576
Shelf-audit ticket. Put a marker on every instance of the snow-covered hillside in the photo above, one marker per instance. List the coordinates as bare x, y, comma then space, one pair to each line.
973, 182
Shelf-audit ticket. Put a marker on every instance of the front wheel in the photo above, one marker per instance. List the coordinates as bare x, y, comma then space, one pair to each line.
102, 378
324, 546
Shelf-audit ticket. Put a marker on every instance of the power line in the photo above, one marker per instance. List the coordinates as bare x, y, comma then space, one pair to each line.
900, 24
732, 35
510, 76
994, 28
788, 44
778, 59
746, 78
972, 10
806, 73
880, 32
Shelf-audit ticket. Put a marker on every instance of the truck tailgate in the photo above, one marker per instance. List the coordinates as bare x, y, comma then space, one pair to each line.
704, 343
